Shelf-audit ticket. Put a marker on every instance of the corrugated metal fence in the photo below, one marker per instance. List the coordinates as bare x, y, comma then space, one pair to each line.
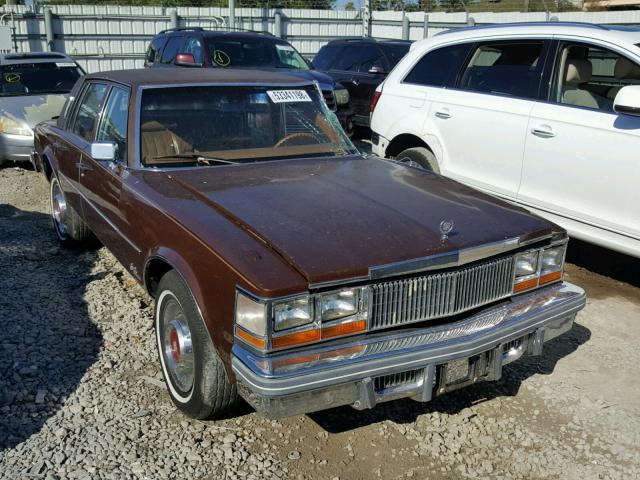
106, 37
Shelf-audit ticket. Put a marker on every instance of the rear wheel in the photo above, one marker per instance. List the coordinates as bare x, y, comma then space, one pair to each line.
419, 157
196, 378
69, 227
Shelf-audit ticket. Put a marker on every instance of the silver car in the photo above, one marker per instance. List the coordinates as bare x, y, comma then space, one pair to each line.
33, 88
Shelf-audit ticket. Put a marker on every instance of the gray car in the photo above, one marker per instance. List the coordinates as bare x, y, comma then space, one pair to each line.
33, 88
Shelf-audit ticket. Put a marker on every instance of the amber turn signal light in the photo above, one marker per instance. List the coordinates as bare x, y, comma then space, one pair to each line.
344, 329
298, 338
550, 277
252, 340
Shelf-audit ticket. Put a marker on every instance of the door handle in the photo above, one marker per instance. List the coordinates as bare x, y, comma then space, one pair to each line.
543, 131
443, 113
355, 82
83, 167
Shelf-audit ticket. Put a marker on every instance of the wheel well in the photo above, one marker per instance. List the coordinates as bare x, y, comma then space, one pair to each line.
156, 268
46, 165
404, 141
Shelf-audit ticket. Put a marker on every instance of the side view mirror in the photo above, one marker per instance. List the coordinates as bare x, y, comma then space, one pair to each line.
377, 70
103, 151
627, 100
186, 60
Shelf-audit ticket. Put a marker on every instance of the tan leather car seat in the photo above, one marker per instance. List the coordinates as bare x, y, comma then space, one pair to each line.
623, 70
159, 141
578, 72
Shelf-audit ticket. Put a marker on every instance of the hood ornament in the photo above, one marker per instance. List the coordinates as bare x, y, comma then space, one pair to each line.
445, 229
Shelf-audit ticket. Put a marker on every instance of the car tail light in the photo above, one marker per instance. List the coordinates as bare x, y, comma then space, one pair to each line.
376, 97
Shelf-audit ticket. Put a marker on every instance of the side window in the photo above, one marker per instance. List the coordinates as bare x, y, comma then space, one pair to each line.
155, 47
439, 68
194, 47
349, 59
113, 126
326, 57
88, 110
171, 50
506, 68
589, 76
373, 57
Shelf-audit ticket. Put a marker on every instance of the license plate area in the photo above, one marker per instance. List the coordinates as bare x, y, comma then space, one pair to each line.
464, 371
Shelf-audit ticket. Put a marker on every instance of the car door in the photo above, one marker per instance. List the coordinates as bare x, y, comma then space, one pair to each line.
72, 144
101, 180
345, 70
366, 81
581, 158
482, 123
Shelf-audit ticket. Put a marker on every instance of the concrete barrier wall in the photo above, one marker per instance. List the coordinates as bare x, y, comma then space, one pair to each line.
104, 37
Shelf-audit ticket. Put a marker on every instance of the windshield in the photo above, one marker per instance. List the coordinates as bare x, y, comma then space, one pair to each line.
254, 53
214, 125
38, 78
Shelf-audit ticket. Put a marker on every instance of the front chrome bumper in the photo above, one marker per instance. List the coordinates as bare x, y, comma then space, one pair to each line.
416, 363
15, 147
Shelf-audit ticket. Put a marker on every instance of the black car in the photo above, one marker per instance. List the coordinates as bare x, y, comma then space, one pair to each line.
360, 64
197, 47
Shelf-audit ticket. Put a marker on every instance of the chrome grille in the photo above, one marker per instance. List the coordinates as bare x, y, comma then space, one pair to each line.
393, 380
440, 294
329, 99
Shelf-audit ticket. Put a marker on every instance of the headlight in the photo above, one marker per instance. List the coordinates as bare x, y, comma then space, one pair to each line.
526, 263
301, 319
13, 127
538, 267
552, 259
341, 96
292, 313
251, 316
339, 304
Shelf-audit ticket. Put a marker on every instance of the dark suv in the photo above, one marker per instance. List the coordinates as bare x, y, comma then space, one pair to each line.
197, 47
360, 64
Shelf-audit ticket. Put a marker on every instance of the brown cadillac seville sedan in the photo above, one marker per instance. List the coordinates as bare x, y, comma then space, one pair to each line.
288, 268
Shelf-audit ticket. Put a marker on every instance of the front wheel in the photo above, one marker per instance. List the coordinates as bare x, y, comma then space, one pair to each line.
195, 376
419, 157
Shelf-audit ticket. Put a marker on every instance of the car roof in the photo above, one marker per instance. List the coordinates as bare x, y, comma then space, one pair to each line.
237, 34
622, 34
370, 40
36, 57
180, 76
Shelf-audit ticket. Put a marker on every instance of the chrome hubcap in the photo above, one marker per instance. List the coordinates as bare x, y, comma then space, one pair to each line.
177, 347
58, 208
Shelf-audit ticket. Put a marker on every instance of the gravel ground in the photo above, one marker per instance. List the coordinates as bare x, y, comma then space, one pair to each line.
81, 394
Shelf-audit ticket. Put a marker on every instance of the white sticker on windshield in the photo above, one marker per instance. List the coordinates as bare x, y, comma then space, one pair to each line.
65, 64
287, 48
288, 96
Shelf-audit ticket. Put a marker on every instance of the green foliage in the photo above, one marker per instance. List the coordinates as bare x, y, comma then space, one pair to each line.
317, 4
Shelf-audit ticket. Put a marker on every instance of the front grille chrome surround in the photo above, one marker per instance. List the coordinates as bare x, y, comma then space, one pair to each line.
439, 295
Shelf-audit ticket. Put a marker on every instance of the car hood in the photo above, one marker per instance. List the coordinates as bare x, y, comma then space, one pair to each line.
32, 109
333, 219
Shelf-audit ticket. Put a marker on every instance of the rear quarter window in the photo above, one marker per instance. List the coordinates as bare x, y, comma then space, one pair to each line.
439, 67
171, 49
155, 48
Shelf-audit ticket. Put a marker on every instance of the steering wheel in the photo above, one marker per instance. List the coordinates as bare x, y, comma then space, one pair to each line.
293, 136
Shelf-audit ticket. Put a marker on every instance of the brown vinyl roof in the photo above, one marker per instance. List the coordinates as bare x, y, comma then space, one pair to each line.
161, 76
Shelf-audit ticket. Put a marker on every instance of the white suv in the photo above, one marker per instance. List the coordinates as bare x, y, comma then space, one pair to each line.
544, 115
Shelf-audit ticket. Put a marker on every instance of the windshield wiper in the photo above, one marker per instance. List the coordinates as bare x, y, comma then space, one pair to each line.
196, 157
